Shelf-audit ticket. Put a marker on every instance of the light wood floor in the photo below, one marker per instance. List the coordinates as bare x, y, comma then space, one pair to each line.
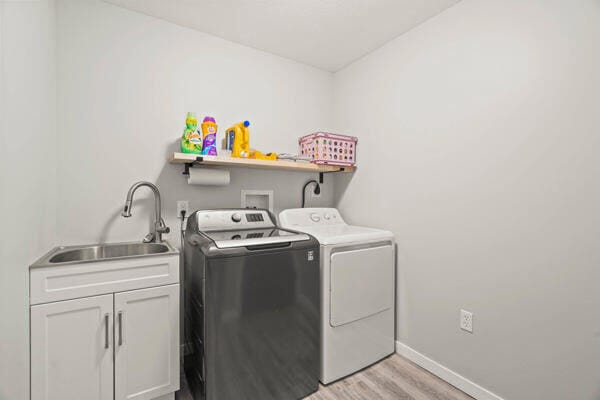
394, 378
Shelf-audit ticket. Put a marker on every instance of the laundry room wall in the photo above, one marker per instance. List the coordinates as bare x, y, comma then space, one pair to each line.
27, 173
126, 81
479, 137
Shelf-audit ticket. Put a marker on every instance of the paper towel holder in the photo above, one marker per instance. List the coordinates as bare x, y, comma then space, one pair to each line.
187, 166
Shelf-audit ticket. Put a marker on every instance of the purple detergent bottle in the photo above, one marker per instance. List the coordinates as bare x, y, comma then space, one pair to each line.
209, 136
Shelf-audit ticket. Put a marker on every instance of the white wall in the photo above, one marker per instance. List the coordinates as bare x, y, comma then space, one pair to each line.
126, 81
479, 139
27, 173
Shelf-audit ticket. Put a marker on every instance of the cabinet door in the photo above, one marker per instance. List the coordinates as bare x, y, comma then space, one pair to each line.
146, 343
71, 349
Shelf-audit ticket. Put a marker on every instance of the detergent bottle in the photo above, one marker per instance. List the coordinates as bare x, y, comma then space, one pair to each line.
209, 136
238, 140
191, 142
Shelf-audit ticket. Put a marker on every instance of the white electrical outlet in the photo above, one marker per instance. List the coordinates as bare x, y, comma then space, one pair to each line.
466, 321
183, 205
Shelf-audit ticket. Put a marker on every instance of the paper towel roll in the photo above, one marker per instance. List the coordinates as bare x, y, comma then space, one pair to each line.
208, 177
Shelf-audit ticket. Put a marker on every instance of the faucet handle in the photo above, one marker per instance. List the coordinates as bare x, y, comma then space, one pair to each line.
161, 227
149, 238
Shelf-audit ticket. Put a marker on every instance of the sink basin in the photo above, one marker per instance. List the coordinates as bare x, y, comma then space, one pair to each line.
99, 252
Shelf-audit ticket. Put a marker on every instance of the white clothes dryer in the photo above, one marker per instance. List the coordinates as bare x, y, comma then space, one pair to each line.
357, 290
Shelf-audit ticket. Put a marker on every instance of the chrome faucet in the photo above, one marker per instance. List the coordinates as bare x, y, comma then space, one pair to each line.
159, 225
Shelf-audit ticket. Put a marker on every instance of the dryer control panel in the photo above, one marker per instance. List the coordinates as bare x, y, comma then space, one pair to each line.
310, 216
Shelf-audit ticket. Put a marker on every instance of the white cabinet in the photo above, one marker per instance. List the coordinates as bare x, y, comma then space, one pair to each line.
71, 281
146, 343
71, 349
118, 345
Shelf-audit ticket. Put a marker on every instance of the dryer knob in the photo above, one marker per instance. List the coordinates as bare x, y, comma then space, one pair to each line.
315, 217
327, 216
236, 217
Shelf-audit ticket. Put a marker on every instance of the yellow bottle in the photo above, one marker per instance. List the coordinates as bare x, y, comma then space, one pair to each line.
238, 140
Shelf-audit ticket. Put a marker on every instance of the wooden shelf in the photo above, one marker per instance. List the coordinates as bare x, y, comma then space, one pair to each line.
184, 158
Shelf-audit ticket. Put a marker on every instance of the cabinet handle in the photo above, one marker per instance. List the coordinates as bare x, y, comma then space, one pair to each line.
106, 344
120, 328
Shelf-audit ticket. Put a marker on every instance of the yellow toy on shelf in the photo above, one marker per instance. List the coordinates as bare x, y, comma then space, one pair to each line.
262, 156
237, 140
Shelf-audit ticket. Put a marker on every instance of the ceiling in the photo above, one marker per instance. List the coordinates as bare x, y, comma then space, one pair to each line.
327, 34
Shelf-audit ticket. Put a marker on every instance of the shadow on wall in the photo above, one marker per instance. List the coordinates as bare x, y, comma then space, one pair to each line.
340, 185
173, 186
144, 206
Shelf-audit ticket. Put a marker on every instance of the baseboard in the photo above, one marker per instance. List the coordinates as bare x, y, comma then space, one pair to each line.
456, 380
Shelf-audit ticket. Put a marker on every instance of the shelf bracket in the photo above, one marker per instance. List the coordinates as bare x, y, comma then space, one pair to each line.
321, 174
186, 170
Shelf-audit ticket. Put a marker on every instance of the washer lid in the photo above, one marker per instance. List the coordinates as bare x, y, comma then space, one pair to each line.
253, 237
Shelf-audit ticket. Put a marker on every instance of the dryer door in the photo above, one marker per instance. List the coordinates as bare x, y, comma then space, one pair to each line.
362, 283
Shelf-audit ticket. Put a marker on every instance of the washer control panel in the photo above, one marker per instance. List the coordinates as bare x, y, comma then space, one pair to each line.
310, 217
211, 220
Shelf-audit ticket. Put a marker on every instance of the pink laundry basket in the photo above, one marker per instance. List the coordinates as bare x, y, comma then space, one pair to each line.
329, 148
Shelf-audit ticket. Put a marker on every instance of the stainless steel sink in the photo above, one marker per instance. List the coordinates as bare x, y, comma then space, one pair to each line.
99, 252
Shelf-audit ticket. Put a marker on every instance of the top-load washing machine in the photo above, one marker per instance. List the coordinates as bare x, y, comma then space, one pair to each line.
251, 307
357, 290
